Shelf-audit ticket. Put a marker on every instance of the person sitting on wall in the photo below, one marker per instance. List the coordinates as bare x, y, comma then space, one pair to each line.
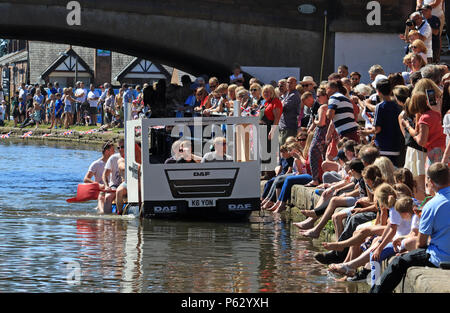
219, 153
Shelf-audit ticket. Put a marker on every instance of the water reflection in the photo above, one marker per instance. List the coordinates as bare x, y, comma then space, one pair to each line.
42, 235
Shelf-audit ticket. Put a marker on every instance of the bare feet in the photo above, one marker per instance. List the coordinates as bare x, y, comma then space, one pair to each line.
309, 213
306, 224
273, 207
267, 205
280, 208
342, 269
311, 233
332, 246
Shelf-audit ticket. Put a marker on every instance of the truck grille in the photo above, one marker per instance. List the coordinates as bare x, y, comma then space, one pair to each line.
205, 183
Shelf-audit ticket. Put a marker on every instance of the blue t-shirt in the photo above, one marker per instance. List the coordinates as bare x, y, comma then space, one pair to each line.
128, 96
39, 99
435, 222
389, 140
190, 101
59, 106
286, 164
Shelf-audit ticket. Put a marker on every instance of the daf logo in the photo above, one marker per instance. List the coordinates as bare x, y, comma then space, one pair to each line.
201, 173
165, 209
235, 207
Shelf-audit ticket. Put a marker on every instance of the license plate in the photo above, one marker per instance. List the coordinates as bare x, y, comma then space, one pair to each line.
202, 203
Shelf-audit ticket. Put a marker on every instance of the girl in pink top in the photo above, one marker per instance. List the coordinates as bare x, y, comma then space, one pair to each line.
429, 132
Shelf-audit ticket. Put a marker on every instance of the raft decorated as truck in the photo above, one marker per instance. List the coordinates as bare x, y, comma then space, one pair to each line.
196, 167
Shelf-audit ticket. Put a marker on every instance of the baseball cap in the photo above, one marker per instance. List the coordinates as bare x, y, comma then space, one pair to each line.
377, 79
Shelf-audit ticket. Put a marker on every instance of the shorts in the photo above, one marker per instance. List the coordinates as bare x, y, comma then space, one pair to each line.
85, 106
124, 185
92, 110
348, 211
415, 161
37, 116
78, 106
351, 201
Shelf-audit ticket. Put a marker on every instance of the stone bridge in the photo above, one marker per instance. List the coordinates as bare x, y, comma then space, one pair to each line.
203, 36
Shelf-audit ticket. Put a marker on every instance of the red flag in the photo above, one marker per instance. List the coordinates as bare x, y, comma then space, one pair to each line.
86, 192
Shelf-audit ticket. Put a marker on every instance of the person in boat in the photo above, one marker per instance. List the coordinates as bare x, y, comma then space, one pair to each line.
185, 153
219, 153
96, 169
175, 153
122, 191
112, 177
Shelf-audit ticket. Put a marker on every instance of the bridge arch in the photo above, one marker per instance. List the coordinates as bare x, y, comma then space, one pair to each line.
200, 36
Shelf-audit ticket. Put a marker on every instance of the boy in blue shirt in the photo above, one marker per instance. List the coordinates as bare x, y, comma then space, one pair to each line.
434, 223
59, 106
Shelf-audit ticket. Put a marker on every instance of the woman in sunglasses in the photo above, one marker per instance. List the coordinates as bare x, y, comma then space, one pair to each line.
418, 47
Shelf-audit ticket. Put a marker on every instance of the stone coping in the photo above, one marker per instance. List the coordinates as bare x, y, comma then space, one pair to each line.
58, 135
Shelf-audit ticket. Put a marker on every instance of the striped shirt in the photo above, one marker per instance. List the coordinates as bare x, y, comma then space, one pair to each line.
344, 117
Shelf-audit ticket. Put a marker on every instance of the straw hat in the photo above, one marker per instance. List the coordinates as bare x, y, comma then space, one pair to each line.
309, 80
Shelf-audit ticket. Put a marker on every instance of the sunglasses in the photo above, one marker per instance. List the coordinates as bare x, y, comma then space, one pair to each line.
414, 47
212, 86
252, 90
301, 139
120, 147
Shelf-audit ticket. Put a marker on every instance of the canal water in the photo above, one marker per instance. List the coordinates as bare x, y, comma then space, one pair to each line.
49, 245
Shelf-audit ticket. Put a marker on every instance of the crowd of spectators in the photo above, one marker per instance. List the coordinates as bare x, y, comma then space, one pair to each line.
389, 178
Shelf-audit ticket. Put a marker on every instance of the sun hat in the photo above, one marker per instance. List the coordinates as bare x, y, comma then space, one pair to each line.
309, 80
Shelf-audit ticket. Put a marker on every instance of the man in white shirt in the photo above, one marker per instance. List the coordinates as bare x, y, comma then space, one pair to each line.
425, 33
81, 96
438, 9
93, 98
96, 170
23, 92
219, 154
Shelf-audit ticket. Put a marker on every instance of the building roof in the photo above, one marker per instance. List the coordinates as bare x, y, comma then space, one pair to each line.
141, 66
66, 62
19, 56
